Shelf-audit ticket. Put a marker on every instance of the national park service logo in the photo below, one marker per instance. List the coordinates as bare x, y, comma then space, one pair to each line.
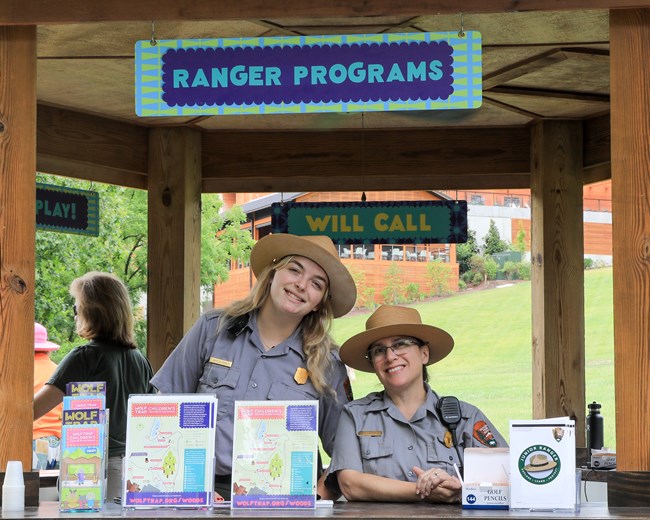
539, 464
558, 434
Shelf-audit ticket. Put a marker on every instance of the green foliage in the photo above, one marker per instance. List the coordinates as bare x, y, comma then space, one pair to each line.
365, 294
393, 293
464, 252
439, 277
589, 263
492, 242
520, 241
510, 270
523, 270
121, 248
412, 292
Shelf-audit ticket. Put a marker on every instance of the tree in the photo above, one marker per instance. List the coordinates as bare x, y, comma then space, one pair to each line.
121, 248
492, 241
464, 252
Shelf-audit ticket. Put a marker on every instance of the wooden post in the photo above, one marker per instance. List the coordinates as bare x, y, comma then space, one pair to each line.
173, 300
558, 273
630, 131
17, 242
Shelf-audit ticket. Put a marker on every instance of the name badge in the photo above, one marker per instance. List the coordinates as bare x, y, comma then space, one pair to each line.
370, 433
220, 362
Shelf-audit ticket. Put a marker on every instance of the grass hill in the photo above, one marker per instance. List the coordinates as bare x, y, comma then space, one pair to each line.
491, 365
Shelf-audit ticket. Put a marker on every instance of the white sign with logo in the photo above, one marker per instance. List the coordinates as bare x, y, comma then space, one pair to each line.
543, 464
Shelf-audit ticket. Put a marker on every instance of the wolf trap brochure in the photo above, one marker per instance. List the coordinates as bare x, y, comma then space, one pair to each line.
275, 455
170, 443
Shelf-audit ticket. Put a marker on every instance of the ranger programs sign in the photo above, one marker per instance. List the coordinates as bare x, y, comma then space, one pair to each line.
341, 73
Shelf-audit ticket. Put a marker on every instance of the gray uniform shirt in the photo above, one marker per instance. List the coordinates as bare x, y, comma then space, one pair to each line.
234, 365
374, 437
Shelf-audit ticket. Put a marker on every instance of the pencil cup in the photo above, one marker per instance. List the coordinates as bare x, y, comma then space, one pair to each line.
13, 489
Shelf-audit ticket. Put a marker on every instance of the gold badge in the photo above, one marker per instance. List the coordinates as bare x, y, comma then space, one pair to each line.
301, 376
370, 433
220, 362
449, 440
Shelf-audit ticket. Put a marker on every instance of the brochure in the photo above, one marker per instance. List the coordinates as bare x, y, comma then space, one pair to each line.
170, 443
84, 446
543, 464
275, 454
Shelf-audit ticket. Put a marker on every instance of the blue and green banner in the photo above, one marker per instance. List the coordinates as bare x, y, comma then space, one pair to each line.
306, 74
409, 222
67, 210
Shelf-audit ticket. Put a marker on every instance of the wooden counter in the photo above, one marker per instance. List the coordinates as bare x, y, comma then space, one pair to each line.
357, 510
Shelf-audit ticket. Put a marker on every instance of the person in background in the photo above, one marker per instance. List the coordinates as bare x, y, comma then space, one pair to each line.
395, 445
47, 429
274, 344
104, 317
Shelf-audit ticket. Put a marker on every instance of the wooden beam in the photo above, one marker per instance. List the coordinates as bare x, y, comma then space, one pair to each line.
448, 158
91, 148
557, 264
550, 94
597, 141
630, 83
14, 12
174, 252
17, 242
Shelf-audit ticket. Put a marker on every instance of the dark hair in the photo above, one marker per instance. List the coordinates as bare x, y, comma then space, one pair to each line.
103, 308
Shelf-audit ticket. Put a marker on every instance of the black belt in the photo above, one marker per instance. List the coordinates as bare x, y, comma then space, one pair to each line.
223, 479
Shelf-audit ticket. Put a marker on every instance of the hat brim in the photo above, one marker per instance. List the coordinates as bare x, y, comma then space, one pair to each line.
45, 346
272, 248
532, 469
353, 351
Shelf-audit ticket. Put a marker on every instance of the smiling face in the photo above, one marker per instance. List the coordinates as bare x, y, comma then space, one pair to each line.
400, 366
299, 288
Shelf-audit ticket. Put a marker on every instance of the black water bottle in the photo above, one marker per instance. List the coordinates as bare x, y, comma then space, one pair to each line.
594, 427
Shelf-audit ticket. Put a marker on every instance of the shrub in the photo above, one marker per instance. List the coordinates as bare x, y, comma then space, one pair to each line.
438, 274
589, 263
510, 270
413, 293
393, 293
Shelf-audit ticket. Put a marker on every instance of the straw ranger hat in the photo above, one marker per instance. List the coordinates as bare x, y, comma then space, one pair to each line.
320, 249
539, 462
41, 344
387, 321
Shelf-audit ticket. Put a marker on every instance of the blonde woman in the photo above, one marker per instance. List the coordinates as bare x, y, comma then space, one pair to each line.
274, 344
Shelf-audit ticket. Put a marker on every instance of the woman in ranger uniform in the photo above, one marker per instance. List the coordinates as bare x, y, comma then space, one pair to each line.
274, 344
394, 445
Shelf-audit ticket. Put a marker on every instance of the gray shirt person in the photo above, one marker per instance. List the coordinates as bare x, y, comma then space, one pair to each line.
234, 365
389, 446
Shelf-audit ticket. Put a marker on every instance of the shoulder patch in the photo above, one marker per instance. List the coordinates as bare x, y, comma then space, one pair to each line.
483, 434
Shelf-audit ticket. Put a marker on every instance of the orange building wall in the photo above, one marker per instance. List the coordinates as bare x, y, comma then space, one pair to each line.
597, 237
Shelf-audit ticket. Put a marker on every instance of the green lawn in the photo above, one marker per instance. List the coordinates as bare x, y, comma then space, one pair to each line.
490, 365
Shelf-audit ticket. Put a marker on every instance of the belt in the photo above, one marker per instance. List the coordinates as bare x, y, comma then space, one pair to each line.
223, 479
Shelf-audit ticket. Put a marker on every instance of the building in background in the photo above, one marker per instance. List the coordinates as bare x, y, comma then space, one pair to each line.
376, 266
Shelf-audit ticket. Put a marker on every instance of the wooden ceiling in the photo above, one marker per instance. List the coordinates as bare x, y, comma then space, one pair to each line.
537, 64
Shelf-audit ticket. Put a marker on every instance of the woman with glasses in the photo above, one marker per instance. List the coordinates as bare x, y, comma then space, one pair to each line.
400, 444
104, 317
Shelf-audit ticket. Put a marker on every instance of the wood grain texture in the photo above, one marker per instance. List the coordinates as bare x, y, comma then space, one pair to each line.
174, 253
17, 232
66, 11
558, 273
630, 34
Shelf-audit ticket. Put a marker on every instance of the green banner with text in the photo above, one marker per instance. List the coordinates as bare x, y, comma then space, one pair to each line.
67, 210
407, 222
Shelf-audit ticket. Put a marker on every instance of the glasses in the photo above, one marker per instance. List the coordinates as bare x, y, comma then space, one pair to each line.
398, 348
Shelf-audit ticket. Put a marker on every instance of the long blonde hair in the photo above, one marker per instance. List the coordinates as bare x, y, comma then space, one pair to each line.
316, 340
103, 308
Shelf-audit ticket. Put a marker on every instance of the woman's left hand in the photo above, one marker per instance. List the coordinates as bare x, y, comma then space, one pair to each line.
436, 485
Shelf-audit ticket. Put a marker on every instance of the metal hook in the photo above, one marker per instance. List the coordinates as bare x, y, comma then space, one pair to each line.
461, 33
153, 41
